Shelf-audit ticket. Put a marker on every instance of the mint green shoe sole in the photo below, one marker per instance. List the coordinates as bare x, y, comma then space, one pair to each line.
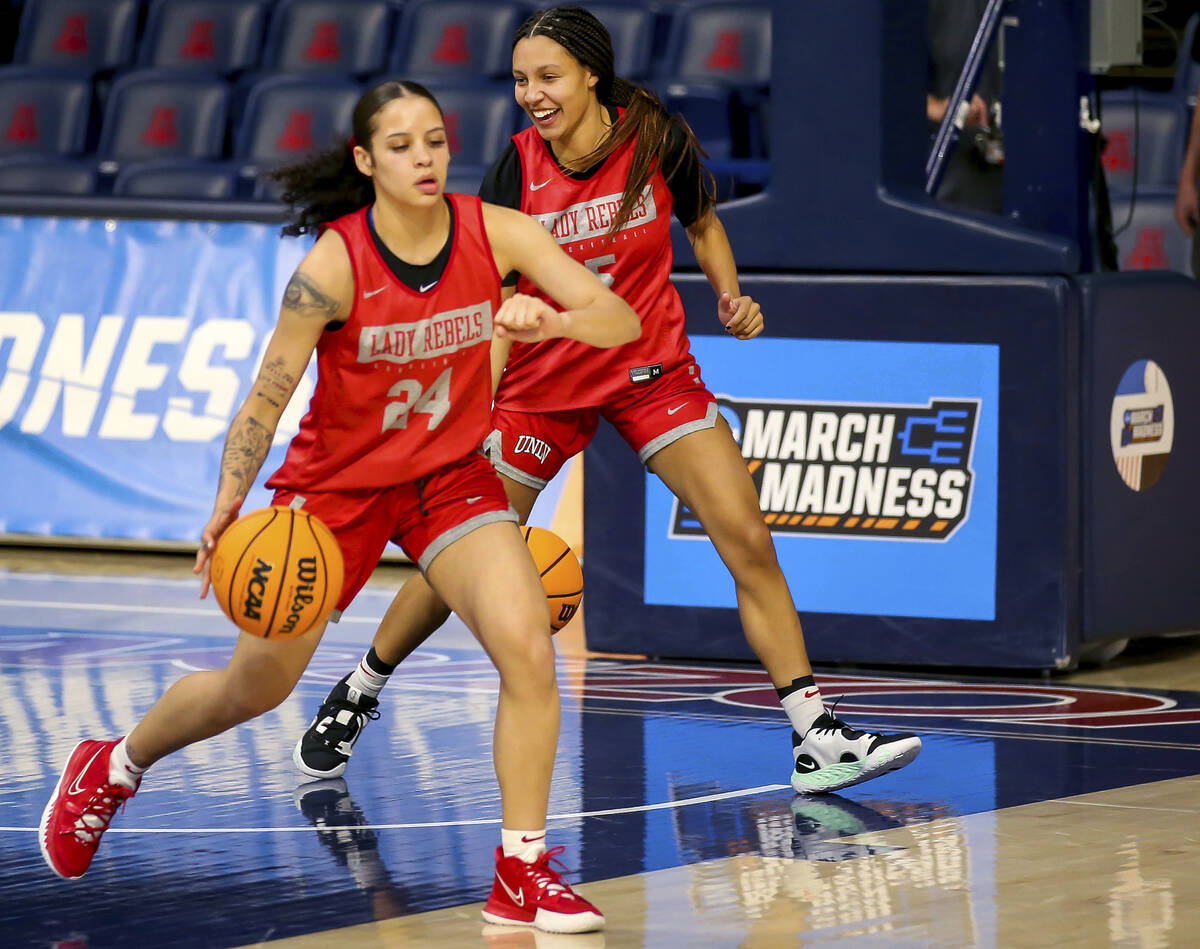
844, 774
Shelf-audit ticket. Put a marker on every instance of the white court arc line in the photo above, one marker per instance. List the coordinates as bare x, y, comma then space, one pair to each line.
210, 612
666, 805
69, 578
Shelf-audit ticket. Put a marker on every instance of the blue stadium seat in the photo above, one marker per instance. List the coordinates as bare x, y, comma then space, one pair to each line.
479, 123
40, 174
720, 41
222, 36
468, 39
1187, 69
287, 116
163, 114
1153, 239
709, 110
631, 25
724, 129
1160, 121
89, 36
464, 183
347, 37
43, 111
184, 179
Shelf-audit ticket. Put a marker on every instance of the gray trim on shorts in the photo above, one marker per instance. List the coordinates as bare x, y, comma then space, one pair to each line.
493, 447
444, 540
666, 438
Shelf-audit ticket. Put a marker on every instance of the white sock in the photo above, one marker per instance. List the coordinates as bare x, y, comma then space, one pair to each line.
121, 770
803, 707
366, 681
526, 844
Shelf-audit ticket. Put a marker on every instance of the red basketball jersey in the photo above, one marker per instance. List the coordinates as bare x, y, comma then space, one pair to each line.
404, 386
635, 263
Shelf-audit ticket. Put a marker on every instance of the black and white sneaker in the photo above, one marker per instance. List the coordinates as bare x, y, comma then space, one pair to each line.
324, 749
832, 755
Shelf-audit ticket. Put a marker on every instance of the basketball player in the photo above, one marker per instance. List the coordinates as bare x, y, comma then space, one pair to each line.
400, 297
604, 167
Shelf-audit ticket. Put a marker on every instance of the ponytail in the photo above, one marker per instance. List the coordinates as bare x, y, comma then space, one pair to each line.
322, 188
646, 119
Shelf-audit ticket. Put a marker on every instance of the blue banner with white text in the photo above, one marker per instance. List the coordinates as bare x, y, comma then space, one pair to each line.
126, 347
879, 485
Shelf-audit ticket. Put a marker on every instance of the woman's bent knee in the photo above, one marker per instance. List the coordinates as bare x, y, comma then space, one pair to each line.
527, 662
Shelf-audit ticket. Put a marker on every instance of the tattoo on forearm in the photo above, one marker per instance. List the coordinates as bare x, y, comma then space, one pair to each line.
275, 383
306, 298
246, 449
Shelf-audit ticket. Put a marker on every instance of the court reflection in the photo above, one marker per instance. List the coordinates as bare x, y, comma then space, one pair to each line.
345, 832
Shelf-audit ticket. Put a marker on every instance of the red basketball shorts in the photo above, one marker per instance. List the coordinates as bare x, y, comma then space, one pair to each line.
423, 517
531, 447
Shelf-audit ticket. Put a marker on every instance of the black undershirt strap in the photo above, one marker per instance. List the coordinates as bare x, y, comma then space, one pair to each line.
418, 277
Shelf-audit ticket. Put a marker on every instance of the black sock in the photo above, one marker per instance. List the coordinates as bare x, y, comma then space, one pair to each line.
379, 667
803, 682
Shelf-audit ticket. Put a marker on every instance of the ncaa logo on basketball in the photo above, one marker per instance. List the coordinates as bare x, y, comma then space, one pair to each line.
855, 470
256, 588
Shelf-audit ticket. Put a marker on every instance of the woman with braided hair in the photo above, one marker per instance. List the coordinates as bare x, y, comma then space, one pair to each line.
603, 167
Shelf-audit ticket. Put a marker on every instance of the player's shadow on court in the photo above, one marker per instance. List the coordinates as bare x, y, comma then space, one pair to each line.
345, 832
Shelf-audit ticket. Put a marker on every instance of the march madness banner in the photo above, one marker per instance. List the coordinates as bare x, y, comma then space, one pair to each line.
879, 484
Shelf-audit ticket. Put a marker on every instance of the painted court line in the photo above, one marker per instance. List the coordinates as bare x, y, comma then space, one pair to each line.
209, 612
666, 805
1129, 807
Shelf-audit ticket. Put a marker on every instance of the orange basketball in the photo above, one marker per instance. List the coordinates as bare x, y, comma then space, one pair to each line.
561, 575
277, 572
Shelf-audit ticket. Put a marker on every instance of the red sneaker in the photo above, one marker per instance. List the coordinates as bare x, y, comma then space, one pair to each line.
534, 894
81, 809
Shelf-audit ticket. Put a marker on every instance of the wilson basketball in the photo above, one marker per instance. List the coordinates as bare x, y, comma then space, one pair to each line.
562, 577
277, 572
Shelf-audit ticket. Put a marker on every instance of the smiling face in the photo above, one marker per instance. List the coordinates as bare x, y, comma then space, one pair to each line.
557, 93
409, 153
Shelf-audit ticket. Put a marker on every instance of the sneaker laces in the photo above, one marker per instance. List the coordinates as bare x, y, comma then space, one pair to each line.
98, 813
831, 723
546, 878
335, 731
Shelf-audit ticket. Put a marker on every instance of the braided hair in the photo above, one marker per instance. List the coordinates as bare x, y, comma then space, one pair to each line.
327, 185
582, 35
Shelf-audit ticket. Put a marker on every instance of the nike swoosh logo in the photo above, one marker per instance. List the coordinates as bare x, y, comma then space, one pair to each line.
518, 897
371, 293
676, 409
428, 286
479, 497
530, 840
533, 187
76, 787
809, 695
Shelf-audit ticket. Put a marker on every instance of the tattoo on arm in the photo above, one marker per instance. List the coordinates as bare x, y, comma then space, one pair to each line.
275, 383
306, 298
245, 451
